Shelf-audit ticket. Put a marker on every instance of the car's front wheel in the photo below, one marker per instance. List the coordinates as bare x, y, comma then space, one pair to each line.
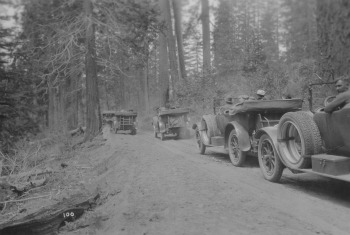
269, 162
237, 156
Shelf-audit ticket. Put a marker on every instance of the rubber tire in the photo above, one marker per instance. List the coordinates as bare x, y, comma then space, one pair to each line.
328, 99
200, 144
276, 174
310, 138
241, 155
212, 127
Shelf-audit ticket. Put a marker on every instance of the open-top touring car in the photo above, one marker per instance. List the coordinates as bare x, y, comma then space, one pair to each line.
171, 122
281, 136
235, 127
124, 120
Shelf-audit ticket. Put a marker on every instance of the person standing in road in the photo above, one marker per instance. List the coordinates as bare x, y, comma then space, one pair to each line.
342, 100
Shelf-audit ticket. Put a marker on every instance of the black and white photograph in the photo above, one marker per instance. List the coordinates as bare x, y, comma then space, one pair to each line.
174, 117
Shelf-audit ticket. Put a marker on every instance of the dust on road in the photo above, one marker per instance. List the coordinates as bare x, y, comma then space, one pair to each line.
167, 187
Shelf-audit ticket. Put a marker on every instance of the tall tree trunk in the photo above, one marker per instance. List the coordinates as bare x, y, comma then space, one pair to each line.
62, 111
163, 62
72, 99
206, 37
171, 47
146, 87
81, 104
106, 94
52, 108
93, 124
178, 32
140, 87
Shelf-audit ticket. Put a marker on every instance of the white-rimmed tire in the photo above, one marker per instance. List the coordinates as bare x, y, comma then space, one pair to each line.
299, 138
269, 162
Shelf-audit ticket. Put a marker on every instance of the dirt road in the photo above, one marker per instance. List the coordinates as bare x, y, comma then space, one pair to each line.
167, 187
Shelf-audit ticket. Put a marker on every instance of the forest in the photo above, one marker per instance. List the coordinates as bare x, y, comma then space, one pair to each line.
62, 62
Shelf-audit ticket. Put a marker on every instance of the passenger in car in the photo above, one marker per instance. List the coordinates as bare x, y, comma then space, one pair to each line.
260, 95
342, 100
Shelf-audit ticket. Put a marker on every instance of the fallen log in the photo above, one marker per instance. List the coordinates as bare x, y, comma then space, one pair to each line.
27, 174
19, 183
79, 131
48, 220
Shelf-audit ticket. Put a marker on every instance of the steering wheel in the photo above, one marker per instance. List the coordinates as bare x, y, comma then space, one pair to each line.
328, 99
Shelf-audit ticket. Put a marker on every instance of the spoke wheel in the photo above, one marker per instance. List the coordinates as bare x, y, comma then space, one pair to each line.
237, 156
269, 162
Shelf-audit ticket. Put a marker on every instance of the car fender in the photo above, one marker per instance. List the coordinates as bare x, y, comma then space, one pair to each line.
242, 135
271, 131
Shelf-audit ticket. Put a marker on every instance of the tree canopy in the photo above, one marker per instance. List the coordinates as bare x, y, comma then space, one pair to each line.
67, 61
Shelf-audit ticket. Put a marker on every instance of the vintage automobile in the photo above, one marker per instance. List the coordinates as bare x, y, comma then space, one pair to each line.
310, 142
235, 128
124, 120
281, 136
173, 122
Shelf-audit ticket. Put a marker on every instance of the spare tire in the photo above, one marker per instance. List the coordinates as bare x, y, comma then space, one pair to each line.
328, 99
212, 127
299, 138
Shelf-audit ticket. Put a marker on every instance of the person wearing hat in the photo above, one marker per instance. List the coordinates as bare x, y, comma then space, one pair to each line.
342, 100
260, 95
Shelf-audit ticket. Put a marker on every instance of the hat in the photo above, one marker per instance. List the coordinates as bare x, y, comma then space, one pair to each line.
261, 92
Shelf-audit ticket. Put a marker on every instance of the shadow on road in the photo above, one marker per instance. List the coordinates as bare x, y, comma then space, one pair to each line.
318, 186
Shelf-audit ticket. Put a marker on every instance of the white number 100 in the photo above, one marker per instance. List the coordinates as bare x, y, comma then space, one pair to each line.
67, 214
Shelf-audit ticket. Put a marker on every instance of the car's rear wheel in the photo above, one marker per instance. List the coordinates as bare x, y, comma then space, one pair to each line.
237, 156
269, 162
299, 139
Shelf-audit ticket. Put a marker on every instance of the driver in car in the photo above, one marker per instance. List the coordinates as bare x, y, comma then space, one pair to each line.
342, 100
